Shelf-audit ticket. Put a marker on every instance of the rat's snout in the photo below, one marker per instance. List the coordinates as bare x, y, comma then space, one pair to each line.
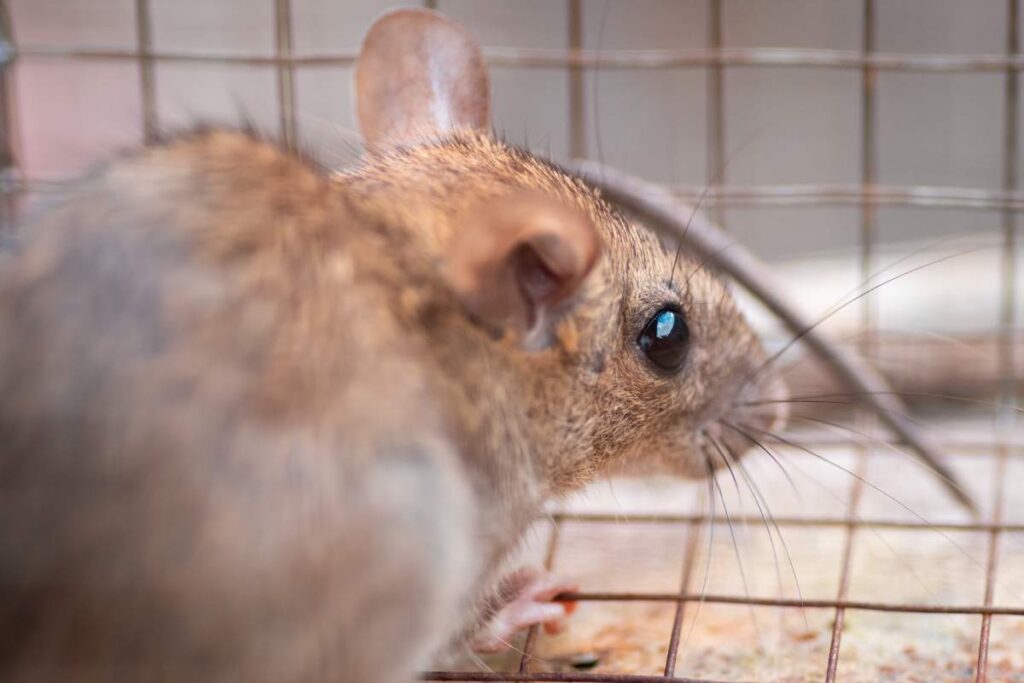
759, 411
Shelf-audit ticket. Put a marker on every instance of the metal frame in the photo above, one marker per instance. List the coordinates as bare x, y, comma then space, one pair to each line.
867, 195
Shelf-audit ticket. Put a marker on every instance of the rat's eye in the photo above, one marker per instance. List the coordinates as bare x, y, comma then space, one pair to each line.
665, 339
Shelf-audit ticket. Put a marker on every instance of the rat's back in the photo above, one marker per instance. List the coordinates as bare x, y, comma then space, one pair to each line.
192, 482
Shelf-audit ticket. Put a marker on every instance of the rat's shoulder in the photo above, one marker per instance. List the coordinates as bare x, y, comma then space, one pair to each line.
215, 241
231, 190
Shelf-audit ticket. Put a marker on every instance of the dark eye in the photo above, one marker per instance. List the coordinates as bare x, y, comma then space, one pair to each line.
665, 339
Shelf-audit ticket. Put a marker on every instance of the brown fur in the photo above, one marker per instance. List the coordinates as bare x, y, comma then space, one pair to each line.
249, 431
210, 344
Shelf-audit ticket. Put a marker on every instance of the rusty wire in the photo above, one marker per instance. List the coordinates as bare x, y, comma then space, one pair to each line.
867, 195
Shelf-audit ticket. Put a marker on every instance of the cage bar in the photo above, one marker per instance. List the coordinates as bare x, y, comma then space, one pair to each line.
867, 195
785, 521
147, 69
693, 535
1008, 312
867, 233
8, 162
991, 568
716, 112
552, 58
561, 677
577, 130
549, 559
1007, 360
837, 603
285, 73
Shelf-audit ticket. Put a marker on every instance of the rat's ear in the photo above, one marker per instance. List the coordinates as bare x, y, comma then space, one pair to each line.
419, 73
516, 261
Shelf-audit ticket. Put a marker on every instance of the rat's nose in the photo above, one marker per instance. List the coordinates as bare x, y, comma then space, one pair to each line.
760, 411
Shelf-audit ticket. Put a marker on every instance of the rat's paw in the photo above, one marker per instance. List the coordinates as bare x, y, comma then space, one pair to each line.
528, 595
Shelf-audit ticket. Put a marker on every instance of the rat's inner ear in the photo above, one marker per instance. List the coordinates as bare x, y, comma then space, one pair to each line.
419, 74
518, 261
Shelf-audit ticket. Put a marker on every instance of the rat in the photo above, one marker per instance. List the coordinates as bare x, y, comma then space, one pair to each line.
263, 421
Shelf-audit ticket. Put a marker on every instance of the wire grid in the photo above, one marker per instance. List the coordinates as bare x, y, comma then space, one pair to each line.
867, 195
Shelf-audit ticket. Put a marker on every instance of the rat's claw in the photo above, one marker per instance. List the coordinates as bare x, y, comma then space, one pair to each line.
531, 595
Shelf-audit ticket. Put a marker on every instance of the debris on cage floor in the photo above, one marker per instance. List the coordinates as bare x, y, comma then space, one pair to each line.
910, 547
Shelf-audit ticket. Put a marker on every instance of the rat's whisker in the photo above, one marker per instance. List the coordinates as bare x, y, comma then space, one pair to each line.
478, 660
707, 569
804, 332
790, 367
707, 259
739, 560
793, 400
902, 413
767, 410
754, 442
716, 179
871, 485
865, 438
709, 459
512, 648
766, 514
841, 303
903, 259
829, 396
931, 526
876, 533
884, 363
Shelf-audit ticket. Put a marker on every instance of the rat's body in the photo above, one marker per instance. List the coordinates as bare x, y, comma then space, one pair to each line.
261, 423
231, 438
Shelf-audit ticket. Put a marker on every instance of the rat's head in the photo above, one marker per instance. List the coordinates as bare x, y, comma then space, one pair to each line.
622, 355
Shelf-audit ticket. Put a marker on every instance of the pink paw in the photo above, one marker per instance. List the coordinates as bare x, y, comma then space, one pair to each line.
530, 594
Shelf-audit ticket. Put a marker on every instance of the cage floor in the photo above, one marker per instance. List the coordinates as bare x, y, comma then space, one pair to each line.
868, 573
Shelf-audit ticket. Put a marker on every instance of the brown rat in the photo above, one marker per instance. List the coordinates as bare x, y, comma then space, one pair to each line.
261, 422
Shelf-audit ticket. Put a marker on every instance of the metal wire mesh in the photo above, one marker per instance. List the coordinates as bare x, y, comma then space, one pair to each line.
868, 195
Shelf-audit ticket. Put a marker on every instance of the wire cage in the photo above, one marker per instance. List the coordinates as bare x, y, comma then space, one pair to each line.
992, 615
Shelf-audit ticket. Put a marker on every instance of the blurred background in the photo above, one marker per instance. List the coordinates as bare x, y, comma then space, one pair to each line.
845, 143
782, 126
